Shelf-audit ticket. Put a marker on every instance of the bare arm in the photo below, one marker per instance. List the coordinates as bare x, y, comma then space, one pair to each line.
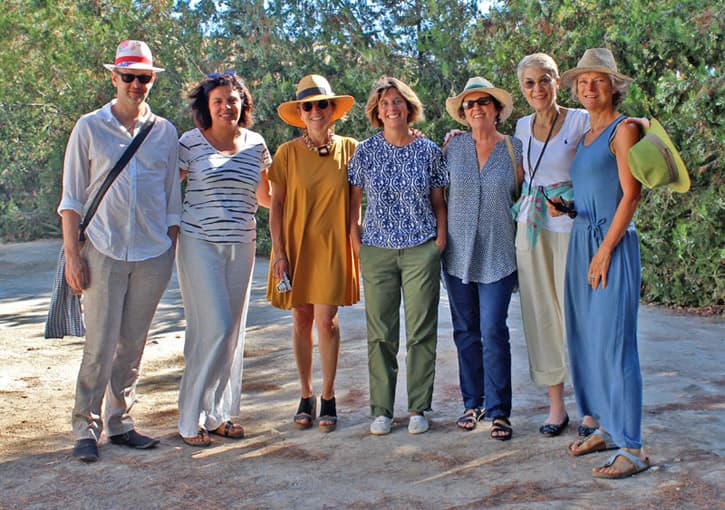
280, 263
438, 202
264, 194
627, 135
356, 194
76, 269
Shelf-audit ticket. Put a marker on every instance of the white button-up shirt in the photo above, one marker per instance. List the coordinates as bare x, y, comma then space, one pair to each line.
133, 217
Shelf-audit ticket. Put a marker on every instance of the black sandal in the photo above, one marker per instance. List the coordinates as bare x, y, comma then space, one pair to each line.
469, 419
328, 414
305, 412
501, 424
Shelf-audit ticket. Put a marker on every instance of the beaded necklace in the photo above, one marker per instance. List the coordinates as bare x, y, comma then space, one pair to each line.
322, 150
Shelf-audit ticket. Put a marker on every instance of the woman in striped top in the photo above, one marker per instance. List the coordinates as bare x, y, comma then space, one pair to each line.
225, 166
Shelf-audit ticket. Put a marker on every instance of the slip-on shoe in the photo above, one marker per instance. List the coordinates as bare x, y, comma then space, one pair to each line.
133, 439
86, 450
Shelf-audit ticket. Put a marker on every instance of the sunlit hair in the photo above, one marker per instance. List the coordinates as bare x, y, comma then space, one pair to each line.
496, 104
537, 61
200, 99
620, 89
415, 107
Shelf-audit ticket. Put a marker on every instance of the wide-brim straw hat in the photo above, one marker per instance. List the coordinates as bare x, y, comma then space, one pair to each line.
654, 161
133, 55
594, 60
313, 87
478, 84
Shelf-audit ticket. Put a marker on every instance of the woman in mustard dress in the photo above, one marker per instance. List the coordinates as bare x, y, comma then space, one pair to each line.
313, 269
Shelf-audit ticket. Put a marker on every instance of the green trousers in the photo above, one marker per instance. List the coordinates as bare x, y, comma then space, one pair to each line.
385, 272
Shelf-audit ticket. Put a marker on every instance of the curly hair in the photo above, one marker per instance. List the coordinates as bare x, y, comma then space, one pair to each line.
415, 107
200, 98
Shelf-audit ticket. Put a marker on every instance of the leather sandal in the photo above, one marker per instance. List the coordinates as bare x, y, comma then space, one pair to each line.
201, 439
502, 427
229, 429
469, 419
306, 412
328, 415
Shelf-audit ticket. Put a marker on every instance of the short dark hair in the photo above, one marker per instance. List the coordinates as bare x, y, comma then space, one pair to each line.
200, 99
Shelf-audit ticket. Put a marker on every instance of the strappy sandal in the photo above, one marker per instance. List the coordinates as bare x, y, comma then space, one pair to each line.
328, 415
201, 439
306, 412
229, 429
469, 419
599, 441
502, 427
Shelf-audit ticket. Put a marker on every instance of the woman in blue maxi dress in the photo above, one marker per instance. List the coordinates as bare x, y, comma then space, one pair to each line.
603, 272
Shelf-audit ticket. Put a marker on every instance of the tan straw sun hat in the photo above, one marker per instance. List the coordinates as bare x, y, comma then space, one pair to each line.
313, 87
478, 84
133, 55
594, 60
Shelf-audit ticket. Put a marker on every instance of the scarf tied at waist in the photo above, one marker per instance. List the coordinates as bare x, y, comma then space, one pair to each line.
537, 209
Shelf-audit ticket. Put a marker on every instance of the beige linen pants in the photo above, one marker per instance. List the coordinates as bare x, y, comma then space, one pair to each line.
118, 305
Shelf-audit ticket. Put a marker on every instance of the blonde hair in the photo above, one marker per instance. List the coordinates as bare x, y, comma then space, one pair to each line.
385, 83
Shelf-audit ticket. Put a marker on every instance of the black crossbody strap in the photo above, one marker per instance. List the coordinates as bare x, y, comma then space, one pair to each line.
115, 171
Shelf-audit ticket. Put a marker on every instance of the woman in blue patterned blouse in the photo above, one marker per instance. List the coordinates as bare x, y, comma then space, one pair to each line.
480, 261
403, 235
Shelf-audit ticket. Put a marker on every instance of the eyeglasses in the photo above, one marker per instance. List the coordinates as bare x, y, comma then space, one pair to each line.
128, 77
481, 101
321, 105
227, 72
545, 81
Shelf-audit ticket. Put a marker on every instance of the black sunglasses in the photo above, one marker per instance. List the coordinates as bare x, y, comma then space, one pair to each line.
565, 206
321, 104
481, 101
128, 77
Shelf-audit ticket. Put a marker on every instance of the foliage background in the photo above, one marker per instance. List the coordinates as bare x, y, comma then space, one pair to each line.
52, 52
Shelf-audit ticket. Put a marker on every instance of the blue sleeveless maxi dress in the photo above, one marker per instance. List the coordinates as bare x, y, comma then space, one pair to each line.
601, 324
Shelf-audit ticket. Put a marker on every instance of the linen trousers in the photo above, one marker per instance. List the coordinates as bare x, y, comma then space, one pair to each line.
119, 305
541, 272
479, 312
215, 285
385, 272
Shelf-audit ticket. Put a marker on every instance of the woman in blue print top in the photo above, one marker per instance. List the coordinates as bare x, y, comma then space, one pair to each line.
403, 235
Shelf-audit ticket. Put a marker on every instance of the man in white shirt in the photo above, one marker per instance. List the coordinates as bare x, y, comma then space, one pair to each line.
126, 261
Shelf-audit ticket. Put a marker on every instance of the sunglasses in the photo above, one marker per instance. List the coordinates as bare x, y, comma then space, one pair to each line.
321, 104
128, 77
227, 72
545, 81
565, 206
481, 101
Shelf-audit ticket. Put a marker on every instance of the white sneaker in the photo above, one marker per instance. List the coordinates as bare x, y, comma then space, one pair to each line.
381, 426
418, 424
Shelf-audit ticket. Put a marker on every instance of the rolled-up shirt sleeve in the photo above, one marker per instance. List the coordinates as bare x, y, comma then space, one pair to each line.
76, 170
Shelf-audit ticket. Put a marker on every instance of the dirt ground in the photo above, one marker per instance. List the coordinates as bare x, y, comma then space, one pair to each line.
278, 466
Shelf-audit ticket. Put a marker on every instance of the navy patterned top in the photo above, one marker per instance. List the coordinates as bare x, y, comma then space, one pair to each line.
397, 182
481, 231
221, 199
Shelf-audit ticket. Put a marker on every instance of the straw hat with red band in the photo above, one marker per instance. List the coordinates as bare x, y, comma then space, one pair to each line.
134, 55
313, 87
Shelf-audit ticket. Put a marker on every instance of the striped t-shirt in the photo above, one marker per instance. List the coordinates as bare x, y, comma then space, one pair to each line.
220, 200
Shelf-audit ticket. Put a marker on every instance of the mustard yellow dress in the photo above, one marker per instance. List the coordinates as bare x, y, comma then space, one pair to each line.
323, 267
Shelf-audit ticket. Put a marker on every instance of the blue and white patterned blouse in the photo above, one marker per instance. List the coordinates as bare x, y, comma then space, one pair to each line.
481, 231
398, 183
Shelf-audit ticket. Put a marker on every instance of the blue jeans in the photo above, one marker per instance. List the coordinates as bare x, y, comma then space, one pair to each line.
479, 312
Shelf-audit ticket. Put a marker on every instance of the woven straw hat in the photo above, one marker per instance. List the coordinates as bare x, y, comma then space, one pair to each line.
313, 87
594, 60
